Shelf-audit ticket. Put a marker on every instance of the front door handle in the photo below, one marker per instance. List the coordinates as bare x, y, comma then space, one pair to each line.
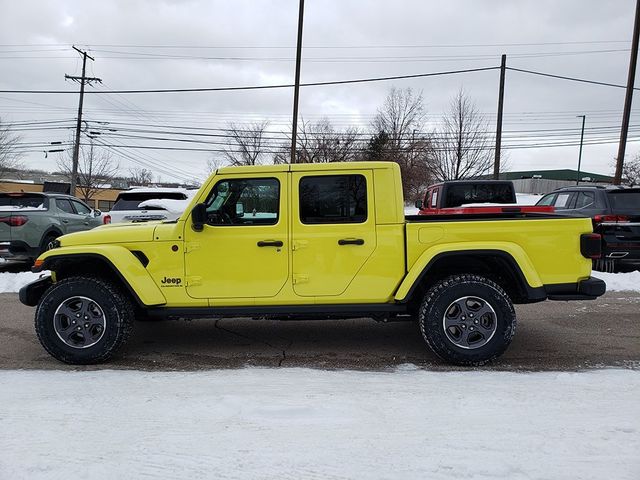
65, 221
270, 243
351, 241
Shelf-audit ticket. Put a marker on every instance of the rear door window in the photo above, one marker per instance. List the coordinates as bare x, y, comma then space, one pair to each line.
625, 200
65, 205
585, 200
333, 199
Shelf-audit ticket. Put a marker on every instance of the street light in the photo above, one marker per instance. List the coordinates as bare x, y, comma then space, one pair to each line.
584, 117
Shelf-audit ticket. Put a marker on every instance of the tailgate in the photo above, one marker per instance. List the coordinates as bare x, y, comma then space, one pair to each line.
5, 229
15, 211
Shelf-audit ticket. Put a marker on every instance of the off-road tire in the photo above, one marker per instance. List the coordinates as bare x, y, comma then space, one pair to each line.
118, 319
441, 296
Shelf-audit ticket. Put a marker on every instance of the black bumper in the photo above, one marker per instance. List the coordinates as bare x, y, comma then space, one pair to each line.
31, 293
588, 289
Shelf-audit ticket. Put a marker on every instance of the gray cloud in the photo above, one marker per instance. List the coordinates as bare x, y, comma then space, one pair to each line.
264, 25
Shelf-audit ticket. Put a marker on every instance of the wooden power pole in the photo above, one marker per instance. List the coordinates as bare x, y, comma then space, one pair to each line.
76, 146
617, 179
496, 163
296, 88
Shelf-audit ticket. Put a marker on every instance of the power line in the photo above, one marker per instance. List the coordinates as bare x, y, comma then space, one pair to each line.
289, 47
261, 87
562, 77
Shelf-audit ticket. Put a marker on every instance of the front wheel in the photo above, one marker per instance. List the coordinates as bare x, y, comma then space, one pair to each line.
83, 320
467, 319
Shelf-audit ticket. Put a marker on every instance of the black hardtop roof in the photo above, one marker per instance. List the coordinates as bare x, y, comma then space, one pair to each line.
472, 182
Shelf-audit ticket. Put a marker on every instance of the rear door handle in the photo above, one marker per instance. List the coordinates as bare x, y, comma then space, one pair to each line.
65, 221
270, 243
351, 241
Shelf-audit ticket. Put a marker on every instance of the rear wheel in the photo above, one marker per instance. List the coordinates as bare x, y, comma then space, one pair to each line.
467, 319
83, 320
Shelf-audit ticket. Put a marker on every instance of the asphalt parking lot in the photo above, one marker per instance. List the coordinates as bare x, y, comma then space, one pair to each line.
550, 336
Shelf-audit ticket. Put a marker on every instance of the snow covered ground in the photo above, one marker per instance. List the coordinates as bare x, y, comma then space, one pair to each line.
620, 281
298, 424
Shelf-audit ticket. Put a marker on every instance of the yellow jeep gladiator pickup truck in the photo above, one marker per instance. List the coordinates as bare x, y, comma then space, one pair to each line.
311, 241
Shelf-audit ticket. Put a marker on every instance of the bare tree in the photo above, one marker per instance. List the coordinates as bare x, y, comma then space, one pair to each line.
463, 146
213, 164
96, 168
249, 144
399, 136
140, 176
9, 153
319, 142
631, 171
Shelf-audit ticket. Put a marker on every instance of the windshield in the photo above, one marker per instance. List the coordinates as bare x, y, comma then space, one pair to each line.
23, 201
130, 201
625, 200
479, 193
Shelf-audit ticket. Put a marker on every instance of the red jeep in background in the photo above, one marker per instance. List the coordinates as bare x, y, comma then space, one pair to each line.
472, 197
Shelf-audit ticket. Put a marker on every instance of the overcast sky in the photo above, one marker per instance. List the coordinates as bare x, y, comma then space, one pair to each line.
141, 44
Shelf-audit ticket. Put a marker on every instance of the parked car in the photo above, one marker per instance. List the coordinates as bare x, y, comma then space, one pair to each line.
30, 221
147, 204
473, 197
615, 212
326, 240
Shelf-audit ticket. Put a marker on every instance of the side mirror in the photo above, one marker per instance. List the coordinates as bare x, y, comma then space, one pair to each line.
97, 213
239, 210
418, 204
199, 217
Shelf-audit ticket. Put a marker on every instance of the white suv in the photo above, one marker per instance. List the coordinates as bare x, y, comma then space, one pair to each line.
148, 204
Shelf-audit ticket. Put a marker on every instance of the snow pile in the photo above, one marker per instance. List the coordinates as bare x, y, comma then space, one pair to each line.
299, 423
173, 206
22, 208
527, 198
12, 282
620, 281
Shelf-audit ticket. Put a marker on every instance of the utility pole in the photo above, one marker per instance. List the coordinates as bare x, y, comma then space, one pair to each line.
496, 163
584, 117
296, 88
617, 179
82, 81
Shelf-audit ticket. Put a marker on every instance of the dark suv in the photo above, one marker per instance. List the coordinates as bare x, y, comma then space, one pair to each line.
615, 212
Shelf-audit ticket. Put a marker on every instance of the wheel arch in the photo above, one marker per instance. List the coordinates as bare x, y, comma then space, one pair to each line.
124, 269
497, 265
52, 230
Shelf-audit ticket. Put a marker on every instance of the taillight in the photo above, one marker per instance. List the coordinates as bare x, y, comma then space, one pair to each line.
14, 220
610, 219
106, 220
591, 245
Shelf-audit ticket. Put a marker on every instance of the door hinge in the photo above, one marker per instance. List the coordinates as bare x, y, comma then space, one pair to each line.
191, 246
300, 278
193, 281
298, 244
